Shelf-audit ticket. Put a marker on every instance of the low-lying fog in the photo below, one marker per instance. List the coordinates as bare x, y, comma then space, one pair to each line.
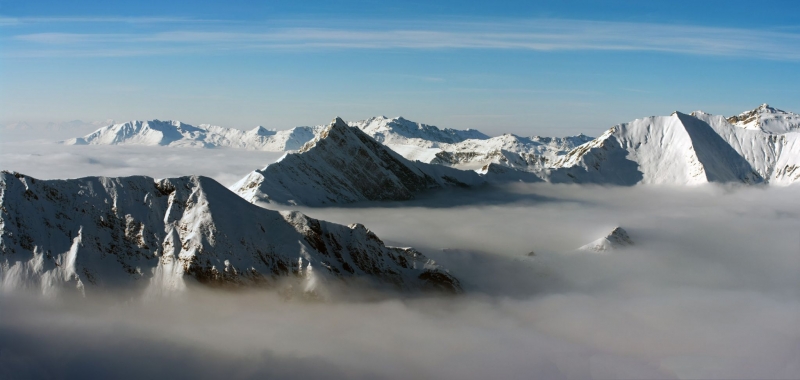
50, 160
711, 289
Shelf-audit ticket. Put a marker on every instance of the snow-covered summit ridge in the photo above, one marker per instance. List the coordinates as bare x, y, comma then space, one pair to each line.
682, 149
160, 235
767, 119
617, 239
465, 149
343, 165
400, 131
523, 153
174, 133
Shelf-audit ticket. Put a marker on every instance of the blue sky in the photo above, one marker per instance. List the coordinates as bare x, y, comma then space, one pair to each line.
548, 68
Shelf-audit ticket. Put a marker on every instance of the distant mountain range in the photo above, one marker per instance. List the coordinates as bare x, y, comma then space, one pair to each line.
757, 146
175, 133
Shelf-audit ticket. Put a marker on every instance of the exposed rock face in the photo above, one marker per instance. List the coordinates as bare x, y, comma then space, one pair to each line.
135, 232
175, 133
344, 165
617, 239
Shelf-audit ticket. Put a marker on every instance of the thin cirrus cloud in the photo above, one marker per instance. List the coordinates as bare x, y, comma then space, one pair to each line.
536, 35
9, 21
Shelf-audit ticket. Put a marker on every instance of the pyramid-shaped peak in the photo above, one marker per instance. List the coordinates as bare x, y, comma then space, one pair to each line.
618, 238
261, 131
338, 122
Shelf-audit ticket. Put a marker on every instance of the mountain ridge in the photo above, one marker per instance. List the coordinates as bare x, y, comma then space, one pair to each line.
177, 134
343, 165
158, 236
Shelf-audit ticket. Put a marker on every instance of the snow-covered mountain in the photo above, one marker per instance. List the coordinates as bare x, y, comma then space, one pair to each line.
524, 153
466, 149
687, 149
616, 239
158, 235
342, 165
399, 131
767, 119
758, 146
175, 133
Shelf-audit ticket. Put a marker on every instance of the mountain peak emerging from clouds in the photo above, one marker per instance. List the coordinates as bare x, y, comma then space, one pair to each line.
618, 238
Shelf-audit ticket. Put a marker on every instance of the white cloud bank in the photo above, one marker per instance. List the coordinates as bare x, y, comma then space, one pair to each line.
710, 290
49, 160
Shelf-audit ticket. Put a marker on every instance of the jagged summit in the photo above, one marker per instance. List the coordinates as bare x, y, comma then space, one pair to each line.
160, 235
342, 164
338, 122
618, 238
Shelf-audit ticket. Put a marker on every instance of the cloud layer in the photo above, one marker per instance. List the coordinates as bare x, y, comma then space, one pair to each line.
48, 160
710, 290
208, 36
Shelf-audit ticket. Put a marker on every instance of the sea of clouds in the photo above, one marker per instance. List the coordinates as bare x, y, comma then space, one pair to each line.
710, 289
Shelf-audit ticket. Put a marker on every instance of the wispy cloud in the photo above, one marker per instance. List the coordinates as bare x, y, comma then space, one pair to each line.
535, 35
105, 19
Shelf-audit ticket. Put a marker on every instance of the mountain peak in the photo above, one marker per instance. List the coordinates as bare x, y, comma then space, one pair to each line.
261, 131
767, 119
342, 165
618, 238
338, 122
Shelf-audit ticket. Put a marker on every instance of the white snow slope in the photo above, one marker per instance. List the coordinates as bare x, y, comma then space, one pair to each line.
688, 149
175, 133
157, 235
343, 165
